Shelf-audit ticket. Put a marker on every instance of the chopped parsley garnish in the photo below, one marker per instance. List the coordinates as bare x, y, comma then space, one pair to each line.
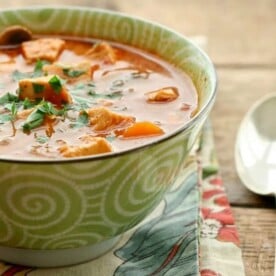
8, 98
84, 88
12, 116
42, 139
110, 95
82, 103
39, 65
5, 118
38, 88
110, 138
36, 118
56, 84
28, 104
72, 73
82, 120
17, 75
13, 109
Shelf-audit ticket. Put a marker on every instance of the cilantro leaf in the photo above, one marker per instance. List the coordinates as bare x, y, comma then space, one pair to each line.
8, 98
13, 110
28, 104
39, 65
42, 139
72, 73
5, 118
36, 118
82, 120
56, 84
17, 75
82, 103
38, 88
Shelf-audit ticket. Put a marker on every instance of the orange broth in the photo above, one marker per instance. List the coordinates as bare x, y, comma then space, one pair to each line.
121, 86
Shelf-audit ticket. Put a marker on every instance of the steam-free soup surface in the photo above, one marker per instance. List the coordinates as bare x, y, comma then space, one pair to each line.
64, 98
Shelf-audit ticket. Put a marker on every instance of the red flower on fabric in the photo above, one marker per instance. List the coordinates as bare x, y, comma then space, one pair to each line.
209, 272
216, 181
210, 193
219, 225
222, 201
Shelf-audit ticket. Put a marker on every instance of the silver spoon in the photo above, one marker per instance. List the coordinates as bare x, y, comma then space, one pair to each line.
255, 152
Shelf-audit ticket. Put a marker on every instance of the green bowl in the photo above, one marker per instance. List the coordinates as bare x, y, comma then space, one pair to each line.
58, 212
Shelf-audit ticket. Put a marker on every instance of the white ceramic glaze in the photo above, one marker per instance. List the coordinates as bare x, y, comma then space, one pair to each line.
255, 152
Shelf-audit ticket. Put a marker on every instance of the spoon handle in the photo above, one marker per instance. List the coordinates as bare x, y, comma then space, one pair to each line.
275, 245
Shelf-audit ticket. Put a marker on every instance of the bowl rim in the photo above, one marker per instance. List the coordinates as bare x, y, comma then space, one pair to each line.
202, 111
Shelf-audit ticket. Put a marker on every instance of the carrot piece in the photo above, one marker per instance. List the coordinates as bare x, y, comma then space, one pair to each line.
142, 129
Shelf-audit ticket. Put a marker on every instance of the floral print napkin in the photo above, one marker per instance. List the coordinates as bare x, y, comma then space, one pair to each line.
220, 253
191, 232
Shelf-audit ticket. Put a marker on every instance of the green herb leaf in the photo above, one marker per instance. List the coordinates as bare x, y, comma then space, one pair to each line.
94, 94
111, 95
42, 139
17, 75
39, 65
82, 120
34, 120
13, 111
38, 88
5, 118
46, 107
110, 138
82, 103
56, 84
73, 73
8, 98
27, 104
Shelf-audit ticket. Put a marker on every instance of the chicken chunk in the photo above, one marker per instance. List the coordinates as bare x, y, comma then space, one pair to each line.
102, 119
42, 49
89, 146
48, 88
79, 72
166, 94
102, 51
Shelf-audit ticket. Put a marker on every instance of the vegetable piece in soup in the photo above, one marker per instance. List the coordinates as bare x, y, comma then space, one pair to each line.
64, 98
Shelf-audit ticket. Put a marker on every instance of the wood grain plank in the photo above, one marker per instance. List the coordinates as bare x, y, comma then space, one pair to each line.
237, 31
257, 234
238, 89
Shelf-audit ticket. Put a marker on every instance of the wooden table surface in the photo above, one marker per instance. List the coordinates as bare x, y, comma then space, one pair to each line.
241, 41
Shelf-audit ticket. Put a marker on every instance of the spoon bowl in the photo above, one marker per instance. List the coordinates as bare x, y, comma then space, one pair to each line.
255, 151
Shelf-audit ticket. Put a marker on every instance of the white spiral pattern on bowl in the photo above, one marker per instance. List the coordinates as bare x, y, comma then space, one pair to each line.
98, 199
133, 194
42, 202
6, 230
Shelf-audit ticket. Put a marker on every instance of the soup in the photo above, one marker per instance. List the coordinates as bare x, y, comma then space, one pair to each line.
66, 97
